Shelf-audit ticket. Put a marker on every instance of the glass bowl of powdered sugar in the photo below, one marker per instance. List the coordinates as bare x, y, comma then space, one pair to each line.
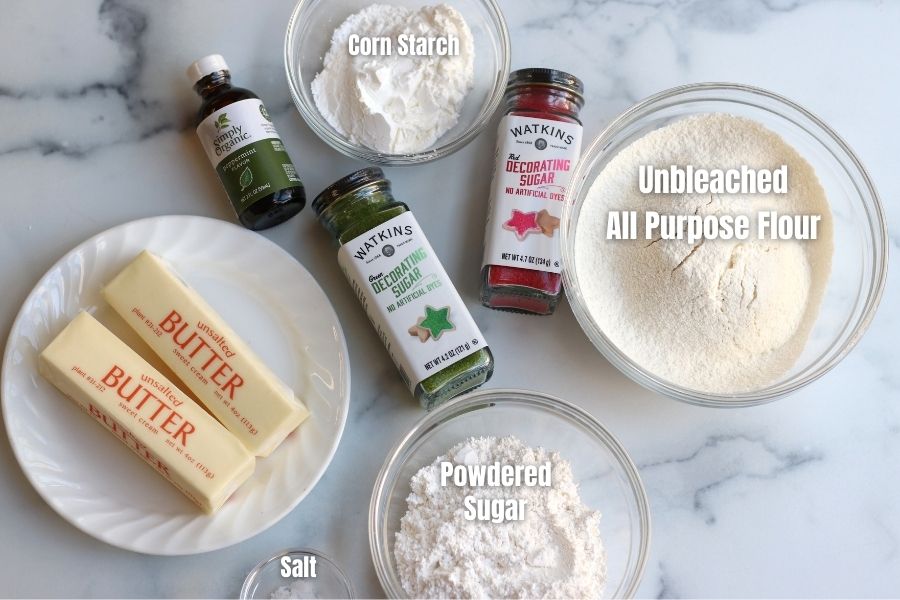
398, 82
576, 526
703, 315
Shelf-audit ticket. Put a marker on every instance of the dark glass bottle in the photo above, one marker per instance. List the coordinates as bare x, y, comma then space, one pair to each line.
405, 291
243, 146
541, 127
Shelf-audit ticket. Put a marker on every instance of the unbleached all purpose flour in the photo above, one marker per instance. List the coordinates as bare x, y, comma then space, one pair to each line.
711, 315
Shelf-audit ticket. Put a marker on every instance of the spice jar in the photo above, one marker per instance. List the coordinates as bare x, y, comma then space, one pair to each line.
539, 142
405, 291
240, 139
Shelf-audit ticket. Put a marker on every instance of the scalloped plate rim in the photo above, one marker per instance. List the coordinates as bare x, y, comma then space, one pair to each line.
6, 365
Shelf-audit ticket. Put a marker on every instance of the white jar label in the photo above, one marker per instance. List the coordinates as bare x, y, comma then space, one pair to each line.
534, 163
243, 145
231, 128
410, 299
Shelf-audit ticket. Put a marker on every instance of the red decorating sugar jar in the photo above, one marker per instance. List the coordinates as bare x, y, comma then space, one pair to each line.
539, 142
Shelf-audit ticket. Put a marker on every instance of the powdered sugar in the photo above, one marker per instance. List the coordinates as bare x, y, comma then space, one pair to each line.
554, 552
718, 316
397, 104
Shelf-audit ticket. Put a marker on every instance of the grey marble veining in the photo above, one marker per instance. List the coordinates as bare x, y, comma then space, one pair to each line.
795, 499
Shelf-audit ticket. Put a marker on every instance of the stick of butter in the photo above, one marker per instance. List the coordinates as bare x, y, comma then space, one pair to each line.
122, 392
206, 354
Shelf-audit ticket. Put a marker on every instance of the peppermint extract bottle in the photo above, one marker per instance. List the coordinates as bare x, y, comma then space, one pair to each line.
409, 298
243, 146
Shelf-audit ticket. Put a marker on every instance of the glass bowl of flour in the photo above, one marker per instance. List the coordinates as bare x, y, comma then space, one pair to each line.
712, 321
397, 82
592, 477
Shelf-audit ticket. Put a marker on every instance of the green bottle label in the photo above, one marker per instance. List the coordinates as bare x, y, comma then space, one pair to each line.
243, 145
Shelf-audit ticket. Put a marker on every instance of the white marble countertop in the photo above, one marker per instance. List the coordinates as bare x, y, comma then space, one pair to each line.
799, 498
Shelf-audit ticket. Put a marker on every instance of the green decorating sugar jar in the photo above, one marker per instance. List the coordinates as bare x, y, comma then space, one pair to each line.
407, 294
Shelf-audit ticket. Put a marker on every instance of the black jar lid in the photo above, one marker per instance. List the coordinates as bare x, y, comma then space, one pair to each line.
550, 77
345, 185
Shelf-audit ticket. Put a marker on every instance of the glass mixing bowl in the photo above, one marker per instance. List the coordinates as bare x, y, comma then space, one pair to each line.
309, 37
608, 480
859, 265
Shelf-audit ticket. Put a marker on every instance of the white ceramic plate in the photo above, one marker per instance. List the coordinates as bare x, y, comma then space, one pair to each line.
106, 491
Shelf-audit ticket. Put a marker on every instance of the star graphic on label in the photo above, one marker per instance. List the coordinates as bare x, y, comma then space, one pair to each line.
437, 321
522, 223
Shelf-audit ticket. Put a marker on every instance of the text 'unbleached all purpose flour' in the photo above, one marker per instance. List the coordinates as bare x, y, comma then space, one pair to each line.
713, 315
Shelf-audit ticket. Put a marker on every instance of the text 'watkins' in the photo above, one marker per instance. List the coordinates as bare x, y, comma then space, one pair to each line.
381, 236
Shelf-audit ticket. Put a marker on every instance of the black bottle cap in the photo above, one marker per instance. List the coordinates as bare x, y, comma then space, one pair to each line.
551, 77
345, 185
